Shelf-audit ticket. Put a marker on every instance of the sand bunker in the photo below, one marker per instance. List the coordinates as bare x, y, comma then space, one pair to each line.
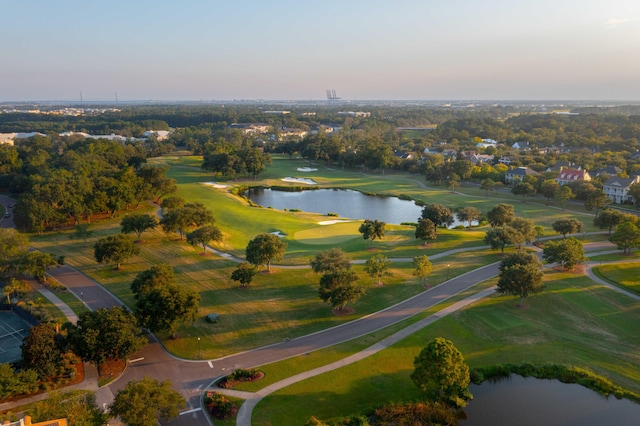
215, 185
278, 234
333, 222
299, 180
306, 169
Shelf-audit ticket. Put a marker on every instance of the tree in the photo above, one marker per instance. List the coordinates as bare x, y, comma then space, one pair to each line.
423, 267
372, 229
523, 188
145, 402
567, 252
520, 275
549, 188
377, 267
105, 334
244, 274
608, 219
165, 308
203, 235
77, 408
159, 184
453, 181
539, 230
597, 200
332, 260
499, 237
468, 214
82, 232
487, 185
438, 214
501, 214
569, 225
634, 192
170, 203
115, 248
626, 236
35, 263
13, 245
339, 288
43, 350
425, 230
563, 195
440, 372
524, 227
181, 218
138, 223
157, 276
265, 248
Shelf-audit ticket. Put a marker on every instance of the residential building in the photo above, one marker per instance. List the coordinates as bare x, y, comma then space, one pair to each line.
572, 175
517, 175
507, 160
521, 145
481, 158
617, 188
610, 170
251, 128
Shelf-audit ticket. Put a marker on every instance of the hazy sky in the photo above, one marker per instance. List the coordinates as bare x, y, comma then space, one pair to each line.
286, 49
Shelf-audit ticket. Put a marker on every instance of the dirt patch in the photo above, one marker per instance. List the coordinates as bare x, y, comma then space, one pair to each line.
111, 368
347, 310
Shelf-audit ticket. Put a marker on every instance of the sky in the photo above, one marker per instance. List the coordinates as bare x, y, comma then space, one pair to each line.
286, 49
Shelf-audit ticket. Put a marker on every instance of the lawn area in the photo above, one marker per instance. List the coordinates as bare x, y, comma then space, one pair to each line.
624, 275
284, 303
574, 322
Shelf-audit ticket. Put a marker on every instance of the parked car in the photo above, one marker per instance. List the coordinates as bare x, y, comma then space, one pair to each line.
7, 214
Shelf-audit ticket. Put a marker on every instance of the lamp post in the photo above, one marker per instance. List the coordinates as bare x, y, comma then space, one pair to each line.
82, 296
448, 272
198, 348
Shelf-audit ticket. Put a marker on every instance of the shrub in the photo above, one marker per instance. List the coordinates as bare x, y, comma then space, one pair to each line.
242, 374
219, 406
332, 214
405, 197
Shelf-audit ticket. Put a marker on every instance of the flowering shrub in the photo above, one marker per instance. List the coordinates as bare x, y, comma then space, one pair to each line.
219, 406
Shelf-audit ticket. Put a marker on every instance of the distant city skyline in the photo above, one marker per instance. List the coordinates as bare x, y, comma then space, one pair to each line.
285, 49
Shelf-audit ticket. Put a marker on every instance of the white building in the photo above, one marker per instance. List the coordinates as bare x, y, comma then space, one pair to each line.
617, 188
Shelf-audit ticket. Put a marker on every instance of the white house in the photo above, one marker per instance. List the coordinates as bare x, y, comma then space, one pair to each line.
617, 188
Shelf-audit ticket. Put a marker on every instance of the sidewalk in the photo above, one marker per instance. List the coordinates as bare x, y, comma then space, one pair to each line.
66, 310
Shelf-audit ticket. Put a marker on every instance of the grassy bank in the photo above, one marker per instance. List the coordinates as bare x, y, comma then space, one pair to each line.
575, 322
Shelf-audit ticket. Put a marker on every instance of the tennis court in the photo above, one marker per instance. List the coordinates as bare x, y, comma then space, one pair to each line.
12, 331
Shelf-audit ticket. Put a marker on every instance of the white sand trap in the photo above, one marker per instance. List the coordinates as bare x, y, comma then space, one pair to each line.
333, 222
215, 185
299, 180
306, 169
278, 234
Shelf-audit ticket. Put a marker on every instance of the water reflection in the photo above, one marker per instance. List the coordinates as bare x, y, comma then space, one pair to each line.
527, 401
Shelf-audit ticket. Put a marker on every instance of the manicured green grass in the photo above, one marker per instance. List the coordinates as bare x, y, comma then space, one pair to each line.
284, 303
615, 256
623, 274
72, 301
291, 366
574, 322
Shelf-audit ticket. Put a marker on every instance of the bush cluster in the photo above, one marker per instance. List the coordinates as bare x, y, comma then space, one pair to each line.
219, 406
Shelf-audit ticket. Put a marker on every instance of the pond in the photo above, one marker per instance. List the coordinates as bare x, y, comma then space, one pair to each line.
346, 203
529, 401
